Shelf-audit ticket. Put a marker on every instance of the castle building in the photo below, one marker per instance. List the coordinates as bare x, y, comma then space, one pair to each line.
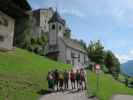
64, 49
10, 11
40, 20
60, 48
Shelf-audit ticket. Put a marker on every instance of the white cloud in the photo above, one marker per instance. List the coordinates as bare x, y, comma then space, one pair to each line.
117, 9
118, 14
131, 52
73, 12
125, 57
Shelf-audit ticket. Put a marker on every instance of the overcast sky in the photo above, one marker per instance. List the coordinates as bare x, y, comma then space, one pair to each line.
110, 21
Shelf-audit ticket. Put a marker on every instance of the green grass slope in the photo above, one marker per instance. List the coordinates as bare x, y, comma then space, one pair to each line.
108, 86
23, 74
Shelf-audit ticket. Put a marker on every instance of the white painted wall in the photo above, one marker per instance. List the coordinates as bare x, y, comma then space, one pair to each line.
62, 53
77, 62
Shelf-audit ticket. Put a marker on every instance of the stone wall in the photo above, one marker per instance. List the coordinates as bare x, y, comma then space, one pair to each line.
40, 19
45, 16
6, 32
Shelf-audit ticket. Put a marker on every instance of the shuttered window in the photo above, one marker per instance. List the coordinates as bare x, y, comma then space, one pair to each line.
1, 38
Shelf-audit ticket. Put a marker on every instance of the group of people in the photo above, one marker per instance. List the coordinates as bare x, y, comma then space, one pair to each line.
59, 80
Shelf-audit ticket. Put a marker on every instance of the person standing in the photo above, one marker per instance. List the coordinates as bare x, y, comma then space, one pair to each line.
78, 78
82, 78
66, 79
50, 79
72, 78
126, 81
56, 75
61, 80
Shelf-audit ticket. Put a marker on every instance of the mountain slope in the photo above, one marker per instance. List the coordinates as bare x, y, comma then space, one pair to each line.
127, 68
23, 74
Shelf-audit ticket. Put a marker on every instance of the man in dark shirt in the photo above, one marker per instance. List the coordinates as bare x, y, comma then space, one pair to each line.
66, 79
56, 75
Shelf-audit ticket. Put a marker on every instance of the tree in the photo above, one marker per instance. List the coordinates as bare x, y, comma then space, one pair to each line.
83, 44
24, 38
112, 63
38, 44
108, 61
95, 52
67, 34
23, 32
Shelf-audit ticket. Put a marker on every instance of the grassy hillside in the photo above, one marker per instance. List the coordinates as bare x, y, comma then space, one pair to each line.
23, 74
108, 86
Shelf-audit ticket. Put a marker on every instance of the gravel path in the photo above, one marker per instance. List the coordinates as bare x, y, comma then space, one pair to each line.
68, 95
122, 97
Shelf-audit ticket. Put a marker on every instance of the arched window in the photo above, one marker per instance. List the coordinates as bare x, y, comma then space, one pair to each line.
60, 27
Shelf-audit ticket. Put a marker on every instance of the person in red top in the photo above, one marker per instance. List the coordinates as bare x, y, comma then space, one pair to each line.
72, 78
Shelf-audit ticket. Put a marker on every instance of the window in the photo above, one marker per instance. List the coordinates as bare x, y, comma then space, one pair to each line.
0, 22
72, 55
4, 22
84, 59
45, 21
79, 57
53, 27
68, 61
53, 47
1, 38
60, 28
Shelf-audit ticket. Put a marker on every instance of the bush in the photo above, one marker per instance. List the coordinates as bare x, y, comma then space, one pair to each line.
38, 44
105, 69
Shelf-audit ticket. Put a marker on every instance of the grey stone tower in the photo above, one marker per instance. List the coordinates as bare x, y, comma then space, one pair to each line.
57, 27
56, 30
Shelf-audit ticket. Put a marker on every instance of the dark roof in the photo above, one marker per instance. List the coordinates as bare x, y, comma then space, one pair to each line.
67, 29
57, 18
73, 44
22, 4
14, 8
50, 8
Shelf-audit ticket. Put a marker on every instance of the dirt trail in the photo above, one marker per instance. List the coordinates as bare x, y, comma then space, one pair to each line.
68, 95
122, 97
